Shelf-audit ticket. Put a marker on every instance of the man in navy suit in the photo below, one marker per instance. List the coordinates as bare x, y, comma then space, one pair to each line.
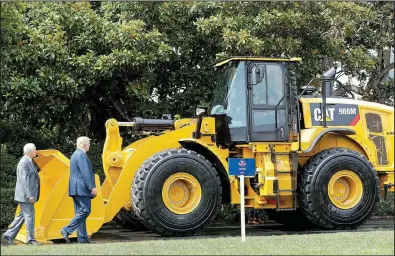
82, 189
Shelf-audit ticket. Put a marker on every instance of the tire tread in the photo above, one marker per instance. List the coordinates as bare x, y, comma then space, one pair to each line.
305, 187
138, 187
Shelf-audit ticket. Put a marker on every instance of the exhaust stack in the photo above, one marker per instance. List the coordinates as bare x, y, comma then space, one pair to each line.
327, 83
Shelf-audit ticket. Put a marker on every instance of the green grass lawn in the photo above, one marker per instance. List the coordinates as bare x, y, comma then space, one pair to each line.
350, 243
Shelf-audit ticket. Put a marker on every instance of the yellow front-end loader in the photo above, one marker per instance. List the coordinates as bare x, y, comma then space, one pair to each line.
321, 160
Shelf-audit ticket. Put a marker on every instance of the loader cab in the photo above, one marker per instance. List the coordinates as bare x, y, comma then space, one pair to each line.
254, 95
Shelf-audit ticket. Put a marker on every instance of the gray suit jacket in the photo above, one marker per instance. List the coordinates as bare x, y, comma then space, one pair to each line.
27, 181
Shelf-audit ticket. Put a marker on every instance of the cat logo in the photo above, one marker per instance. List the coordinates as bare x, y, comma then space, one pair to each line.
329, 114
336, 114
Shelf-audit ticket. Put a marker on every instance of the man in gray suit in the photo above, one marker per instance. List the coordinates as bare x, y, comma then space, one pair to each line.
27, 192
82, 189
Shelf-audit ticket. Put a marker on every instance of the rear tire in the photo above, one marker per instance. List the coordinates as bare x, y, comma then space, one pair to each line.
167, 217
361, 191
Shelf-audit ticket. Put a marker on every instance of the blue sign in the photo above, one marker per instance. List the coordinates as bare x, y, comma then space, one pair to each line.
242, 166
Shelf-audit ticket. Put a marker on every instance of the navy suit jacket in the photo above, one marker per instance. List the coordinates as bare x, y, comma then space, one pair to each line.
81, 180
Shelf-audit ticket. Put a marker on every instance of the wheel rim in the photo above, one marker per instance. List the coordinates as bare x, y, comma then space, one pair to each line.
345, 189
181, 193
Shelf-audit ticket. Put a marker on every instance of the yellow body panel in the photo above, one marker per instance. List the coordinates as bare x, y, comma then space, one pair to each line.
208, 126
330, 140
205, 141
182, 122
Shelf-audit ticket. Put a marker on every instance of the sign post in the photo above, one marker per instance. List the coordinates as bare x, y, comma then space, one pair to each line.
242, 209
242, 167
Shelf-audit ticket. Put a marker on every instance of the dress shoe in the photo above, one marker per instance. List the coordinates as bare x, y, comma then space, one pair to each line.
9, 240
33, 242
65, 235
259, 221
253, 222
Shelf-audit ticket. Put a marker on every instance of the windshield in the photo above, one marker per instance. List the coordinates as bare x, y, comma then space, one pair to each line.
230, 95
222, 85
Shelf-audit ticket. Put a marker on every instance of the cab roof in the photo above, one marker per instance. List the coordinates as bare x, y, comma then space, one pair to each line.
223, 62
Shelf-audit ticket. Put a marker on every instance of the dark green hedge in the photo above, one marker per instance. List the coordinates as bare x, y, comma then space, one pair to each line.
230, 214
8, 178
8, 206
8, 168
385, 207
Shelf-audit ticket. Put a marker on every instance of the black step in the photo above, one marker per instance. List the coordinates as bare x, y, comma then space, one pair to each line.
285, 209
286, 190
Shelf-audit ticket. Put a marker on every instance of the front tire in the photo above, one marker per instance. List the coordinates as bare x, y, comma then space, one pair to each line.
176, 192
338, 189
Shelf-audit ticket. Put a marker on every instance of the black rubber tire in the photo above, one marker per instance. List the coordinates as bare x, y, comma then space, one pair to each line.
313, 189
129, 220
147, 192
294, 220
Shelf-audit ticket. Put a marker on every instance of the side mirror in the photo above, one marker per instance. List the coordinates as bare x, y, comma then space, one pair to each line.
257, 73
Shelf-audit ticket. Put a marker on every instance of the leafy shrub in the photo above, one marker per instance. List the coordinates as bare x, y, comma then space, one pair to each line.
8, 206
8, 168
95, 155
230, 214
385, 207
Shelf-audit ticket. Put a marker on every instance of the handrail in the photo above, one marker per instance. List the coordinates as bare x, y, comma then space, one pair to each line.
275, 110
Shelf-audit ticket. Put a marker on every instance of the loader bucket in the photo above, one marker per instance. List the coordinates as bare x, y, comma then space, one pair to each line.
55, 208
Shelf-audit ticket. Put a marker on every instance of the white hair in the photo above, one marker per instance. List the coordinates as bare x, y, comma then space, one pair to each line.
29, 147
82, 141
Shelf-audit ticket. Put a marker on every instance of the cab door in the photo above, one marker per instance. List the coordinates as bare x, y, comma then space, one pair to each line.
267, 102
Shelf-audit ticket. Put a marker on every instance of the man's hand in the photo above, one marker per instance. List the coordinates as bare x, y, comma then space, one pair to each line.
31, 199
93, 191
